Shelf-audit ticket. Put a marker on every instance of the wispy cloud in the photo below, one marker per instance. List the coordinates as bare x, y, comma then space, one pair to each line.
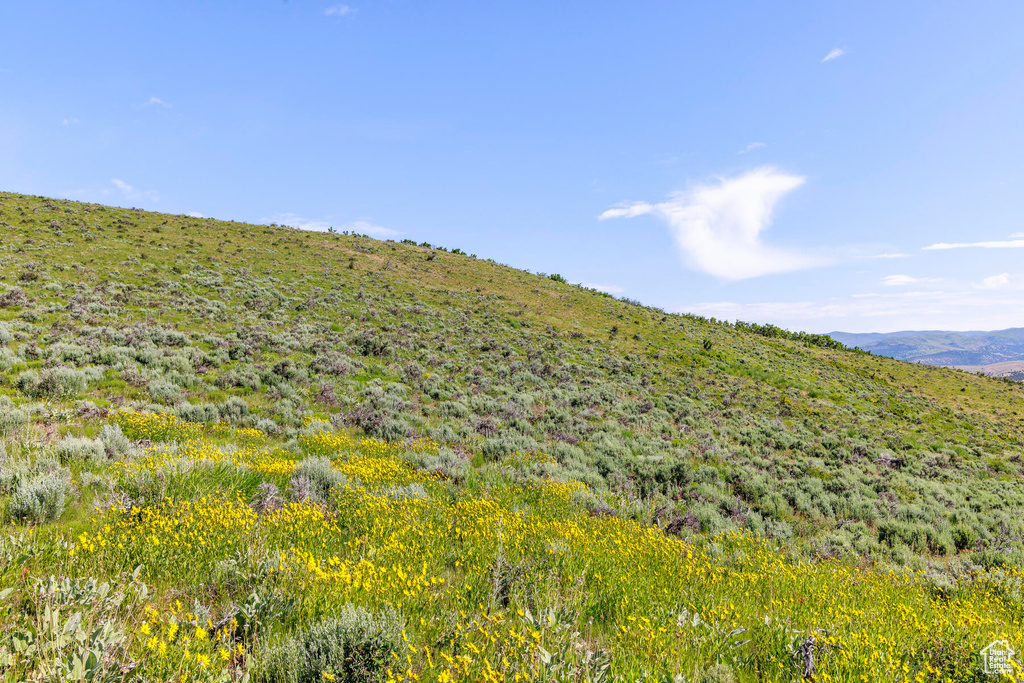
751, 147
157, 102
627, 211
608, 289
891, 255
997, 244
957, 309
1002, 281
835, 53
367, 228
339, 11
902, 280
70, 121
133, 193
194, 214
293, 220
361, 226
898, 280
718, 226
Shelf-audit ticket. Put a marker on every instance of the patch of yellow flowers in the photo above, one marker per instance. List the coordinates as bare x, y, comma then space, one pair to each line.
156, 426
469, 569
174, 644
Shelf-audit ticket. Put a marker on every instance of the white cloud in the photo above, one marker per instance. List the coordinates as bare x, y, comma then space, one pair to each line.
997, 244
898, 280
1002, 281
81, 194
835, 53
961, 309
891, 256
608, 289
361, 226
133, 193
627, 211
339, 11
367, 228
901, 280
751, 147
157, 102
70, 121
717, 226
194, 214
293, 220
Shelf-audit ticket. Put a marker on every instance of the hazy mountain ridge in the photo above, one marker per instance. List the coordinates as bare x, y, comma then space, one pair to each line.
937, 347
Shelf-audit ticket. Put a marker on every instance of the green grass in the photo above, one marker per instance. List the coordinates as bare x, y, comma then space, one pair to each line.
731, 441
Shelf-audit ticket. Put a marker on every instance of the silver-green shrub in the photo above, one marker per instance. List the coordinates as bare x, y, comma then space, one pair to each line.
413, 491
12, 418
446, 464
58, 382
75, 449
322, 478
197, 412
719, 673
115, 443
233, 409
355, 645
267, 426
162, 391
8, 479
39, 499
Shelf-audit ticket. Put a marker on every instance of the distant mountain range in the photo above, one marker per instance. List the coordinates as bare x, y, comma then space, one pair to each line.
997, 353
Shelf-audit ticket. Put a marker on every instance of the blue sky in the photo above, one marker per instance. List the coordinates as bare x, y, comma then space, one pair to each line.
787, 163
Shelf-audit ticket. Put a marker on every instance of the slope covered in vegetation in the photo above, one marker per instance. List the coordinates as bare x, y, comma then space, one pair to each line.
250, 450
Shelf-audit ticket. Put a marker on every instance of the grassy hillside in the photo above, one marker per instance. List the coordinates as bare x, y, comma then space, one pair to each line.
254, 451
